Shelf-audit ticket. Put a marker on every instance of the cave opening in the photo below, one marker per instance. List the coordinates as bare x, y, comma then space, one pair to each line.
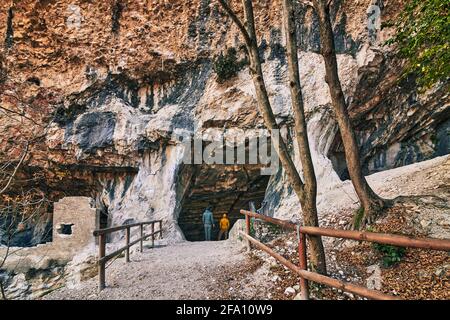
226, 188
336, 154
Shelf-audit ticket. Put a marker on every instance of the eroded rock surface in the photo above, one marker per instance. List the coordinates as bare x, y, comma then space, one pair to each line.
112, 83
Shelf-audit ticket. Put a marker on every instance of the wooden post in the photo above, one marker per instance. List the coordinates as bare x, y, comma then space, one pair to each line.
153, 234
303, 265
247, 230
160, 229
101, 264
127, 252
142, 238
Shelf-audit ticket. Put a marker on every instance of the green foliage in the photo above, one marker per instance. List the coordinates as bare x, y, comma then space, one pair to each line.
358, 218
274, 229
391, 254
252, 228
422, 38
227, 66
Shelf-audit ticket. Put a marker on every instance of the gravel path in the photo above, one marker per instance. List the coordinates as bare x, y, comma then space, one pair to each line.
187, 270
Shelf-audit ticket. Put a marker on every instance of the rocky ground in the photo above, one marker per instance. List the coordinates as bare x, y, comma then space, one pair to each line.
223, 270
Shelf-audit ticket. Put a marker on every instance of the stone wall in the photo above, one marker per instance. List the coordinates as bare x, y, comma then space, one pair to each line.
80, 216
31, 271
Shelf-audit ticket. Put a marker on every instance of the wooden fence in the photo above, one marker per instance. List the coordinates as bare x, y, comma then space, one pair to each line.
305, 275
103, 257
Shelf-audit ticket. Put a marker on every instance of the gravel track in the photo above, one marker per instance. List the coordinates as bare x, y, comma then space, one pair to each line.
187, 270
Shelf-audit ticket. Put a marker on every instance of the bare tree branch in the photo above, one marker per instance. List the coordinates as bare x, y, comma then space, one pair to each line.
23, 207
22, 158
236, 21
20, 114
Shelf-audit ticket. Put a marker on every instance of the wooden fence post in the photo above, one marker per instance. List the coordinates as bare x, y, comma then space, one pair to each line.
127, 252
303, 264
101, 264
153, 234
247, 230
160, 229
142, 238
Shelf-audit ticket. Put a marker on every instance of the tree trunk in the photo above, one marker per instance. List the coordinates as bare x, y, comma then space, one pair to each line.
2, 291
310, 194
305, 192
262, 98
371, 203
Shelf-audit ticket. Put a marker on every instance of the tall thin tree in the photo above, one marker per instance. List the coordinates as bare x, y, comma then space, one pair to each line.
371, 203
305, 191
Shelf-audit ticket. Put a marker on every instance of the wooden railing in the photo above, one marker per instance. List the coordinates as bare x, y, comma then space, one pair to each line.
305, 275
103, 257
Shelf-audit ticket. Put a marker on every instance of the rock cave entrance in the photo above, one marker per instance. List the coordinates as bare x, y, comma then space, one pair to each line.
336, 155
227, 188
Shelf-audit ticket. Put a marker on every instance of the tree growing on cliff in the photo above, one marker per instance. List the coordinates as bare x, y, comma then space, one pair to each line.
8, 173
305, 190
20, 202
371, 203
16, 213
423, 39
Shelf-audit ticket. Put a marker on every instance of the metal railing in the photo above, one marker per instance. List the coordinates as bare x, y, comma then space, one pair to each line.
103, 257
305, 275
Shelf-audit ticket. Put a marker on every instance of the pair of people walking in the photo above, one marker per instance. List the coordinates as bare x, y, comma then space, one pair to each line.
208, 223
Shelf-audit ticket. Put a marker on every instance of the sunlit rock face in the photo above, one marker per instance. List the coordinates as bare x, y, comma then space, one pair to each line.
118, 83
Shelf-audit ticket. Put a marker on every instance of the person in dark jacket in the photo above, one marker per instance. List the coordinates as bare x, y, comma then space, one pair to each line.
208, 222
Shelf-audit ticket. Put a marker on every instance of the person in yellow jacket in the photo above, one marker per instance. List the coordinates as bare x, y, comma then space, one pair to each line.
224, 225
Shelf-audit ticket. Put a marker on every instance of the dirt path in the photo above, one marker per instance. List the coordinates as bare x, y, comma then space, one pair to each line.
187, 270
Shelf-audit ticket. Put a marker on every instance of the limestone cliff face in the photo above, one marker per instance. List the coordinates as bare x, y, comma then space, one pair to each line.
114, 79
